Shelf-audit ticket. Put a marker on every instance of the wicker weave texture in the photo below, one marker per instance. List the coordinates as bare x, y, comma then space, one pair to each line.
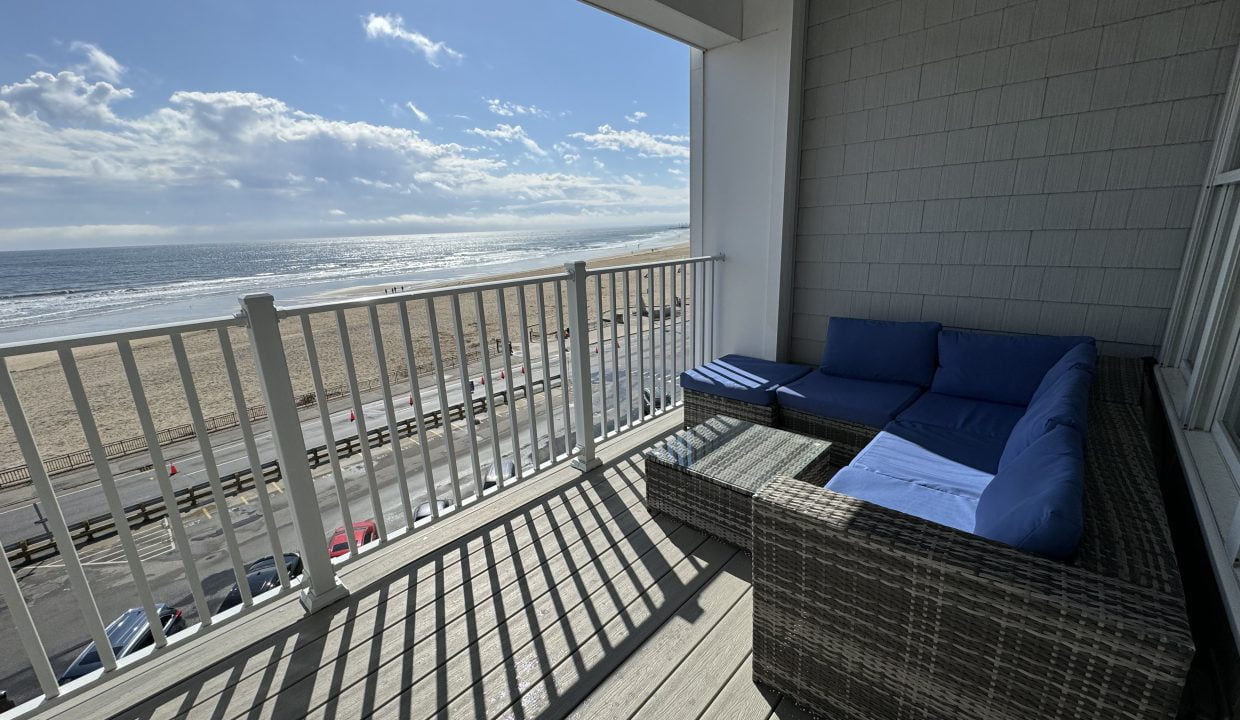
700, 407
847, 439
864, 612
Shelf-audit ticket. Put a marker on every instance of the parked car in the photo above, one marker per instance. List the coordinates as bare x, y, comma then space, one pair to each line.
364, 531
660, 401
423, 511
127, 634
491, 478
262, 576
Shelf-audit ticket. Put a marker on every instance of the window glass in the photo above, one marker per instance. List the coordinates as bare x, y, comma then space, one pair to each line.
1221, 219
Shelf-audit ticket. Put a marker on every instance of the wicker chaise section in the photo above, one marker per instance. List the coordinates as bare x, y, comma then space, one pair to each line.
864, 612
700, 406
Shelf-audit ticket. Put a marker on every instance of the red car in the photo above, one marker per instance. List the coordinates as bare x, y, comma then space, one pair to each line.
364, 531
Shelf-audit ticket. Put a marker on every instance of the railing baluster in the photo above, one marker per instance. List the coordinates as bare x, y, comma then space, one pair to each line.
601, 351
78, 583
655, 401
385, 386
663, 327
329, 435
641, 347
577, 313
251, 453
500, 297
615, 351
160, 469
19, 612
709, 312
208, 465
467, 396
445, 419
497, 454
684, 325
530, 411
415, 392
363, 438
699, 314
628, 353
561, 343
546, 374
108, 483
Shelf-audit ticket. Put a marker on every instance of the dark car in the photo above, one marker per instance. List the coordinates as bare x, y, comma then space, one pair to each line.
262, 576
127, 634
423, 510
492, 478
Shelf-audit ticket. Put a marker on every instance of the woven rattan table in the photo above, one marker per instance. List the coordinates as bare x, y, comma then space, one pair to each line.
708, 474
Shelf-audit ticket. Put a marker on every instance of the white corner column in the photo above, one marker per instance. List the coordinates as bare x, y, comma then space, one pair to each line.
745, 117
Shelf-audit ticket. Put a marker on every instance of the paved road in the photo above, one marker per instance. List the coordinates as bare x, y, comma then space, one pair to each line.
46, 587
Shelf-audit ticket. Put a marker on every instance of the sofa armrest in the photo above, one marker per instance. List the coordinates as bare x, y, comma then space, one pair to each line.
862, 611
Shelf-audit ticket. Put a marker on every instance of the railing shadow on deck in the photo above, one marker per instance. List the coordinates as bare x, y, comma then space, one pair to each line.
425, 637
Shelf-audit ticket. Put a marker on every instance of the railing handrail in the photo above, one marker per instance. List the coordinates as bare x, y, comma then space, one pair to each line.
106, 337
699, 259
436, 292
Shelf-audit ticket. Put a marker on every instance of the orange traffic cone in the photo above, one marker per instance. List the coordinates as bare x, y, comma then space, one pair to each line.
522, 369
172, 470
352, 417
482, 380
501, 375
411, 399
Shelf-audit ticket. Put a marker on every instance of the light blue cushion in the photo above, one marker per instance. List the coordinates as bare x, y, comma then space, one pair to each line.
1064, 402
742, 378
859, 401
954, 511
1034, 502
976, 417
896, 457
902, 352
1081, 357
997, 368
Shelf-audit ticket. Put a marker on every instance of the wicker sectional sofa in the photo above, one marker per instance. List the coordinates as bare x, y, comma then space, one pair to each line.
864, 608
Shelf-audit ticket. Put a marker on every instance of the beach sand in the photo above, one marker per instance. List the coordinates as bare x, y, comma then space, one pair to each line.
49, 409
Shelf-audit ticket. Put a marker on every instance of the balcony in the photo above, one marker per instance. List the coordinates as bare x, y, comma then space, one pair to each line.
562, 596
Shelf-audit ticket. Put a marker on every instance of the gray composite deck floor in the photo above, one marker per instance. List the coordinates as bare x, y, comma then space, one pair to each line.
561, 597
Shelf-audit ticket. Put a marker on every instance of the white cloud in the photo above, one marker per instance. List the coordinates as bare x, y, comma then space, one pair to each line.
98, 62
392, 27
421, 116
643, 143
247, 165
511, 109
337, 212
636, 117
507, 134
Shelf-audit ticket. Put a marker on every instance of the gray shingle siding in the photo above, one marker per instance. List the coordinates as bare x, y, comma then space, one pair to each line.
998, 165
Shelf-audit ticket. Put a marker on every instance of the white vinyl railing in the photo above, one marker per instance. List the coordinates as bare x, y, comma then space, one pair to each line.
505, 397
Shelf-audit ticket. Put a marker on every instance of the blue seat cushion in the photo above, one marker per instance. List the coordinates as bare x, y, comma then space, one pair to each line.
858, 401
896, 457
997, 368
902, 352
1083, 356
977, 417
955, 511
742, 378
980, 452
1034, 503
1064, 402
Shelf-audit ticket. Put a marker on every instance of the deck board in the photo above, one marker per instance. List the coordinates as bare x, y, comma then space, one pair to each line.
570, 600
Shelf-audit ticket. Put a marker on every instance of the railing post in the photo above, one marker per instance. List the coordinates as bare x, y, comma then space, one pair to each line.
322, 587
579, 344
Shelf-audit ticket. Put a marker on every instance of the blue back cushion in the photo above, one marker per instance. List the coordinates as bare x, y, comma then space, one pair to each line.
998, 368
1064, 402
904, 352
1034, 503
1083, 356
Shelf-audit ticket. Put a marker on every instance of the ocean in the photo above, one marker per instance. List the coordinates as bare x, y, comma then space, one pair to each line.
51, 293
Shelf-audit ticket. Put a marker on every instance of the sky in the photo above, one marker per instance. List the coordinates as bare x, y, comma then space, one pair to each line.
153, 122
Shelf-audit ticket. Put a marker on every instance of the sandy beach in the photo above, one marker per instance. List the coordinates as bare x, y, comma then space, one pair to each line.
49, 409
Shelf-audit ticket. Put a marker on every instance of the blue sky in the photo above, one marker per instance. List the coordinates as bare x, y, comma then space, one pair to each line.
154, 122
